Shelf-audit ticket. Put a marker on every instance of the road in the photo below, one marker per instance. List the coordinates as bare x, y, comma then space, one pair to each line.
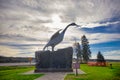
17, 64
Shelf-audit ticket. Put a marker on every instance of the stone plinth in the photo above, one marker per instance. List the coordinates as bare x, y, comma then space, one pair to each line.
57, 61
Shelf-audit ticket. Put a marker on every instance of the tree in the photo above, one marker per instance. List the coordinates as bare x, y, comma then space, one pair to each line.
86, 53
78, 51
100, 57
78, 55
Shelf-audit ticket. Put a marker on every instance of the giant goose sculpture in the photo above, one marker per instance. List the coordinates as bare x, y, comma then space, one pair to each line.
58, 37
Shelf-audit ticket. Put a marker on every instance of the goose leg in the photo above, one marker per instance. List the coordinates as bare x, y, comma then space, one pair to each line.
53, 48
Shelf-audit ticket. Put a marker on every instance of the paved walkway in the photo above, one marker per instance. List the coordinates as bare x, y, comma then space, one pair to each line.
54, 75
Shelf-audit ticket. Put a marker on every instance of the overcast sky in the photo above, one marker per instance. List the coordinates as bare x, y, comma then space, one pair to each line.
27, 25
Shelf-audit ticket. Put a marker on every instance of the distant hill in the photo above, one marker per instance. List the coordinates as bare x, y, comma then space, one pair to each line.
4, 59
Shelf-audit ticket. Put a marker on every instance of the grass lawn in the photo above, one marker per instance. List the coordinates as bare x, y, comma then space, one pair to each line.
14, 73
97, 73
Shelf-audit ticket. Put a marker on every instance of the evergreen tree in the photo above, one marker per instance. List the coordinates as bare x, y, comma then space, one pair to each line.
86, 53
100, 57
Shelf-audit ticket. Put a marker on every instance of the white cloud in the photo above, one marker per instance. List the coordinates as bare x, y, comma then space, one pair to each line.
114, 54
22, 20
92, 25
86, 12
8, 51
102, 37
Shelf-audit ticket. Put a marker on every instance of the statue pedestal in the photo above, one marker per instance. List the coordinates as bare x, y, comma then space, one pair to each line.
57, 61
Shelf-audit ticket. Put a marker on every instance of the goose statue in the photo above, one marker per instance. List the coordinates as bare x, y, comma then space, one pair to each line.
58, 37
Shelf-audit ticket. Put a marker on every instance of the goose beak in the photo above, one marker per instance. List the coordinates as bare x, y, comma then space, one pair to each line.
78, 25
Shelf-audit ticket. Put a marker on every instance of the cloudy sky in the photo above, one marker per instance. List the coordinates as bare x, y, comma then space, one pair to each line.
27, 25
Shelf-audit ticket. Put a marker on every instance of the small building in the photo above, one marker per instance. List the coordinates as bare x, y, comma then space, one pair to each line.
95, 63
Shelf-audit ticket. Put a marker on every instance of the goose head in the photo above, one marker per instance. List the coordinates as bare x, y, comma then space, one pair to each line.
74, 24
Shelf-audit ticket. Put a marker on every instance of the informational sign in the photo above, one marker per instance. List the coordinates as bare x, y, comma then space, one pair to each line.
76, 65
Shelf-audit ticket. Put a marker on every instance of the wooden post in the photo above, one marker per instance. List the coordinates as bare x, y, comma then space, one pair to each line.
30, 59
111, 66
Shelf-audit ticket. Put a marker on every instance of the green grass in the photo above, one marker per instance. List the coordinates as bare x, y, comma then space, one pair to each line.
93, 73
97, 73
14, 73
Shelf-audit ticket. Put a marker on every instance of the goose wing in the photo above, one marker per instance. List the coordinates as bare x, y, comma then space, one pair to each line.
55, 35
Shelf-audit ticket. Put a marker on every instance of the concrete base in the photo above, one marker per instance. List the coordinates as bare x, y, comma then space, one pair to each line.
57, 61
53, 70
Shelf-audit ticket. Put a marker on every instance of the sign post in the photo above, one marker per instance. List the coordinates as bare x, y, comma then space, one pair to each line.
76, 66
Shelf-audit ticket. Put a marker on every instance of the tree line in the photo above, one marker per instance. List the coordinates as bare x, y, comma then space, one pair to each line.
83, 52
4, 59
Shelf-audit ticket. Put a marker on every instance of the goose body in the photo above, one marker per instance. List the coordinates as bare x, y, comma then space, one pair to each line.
57, 37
